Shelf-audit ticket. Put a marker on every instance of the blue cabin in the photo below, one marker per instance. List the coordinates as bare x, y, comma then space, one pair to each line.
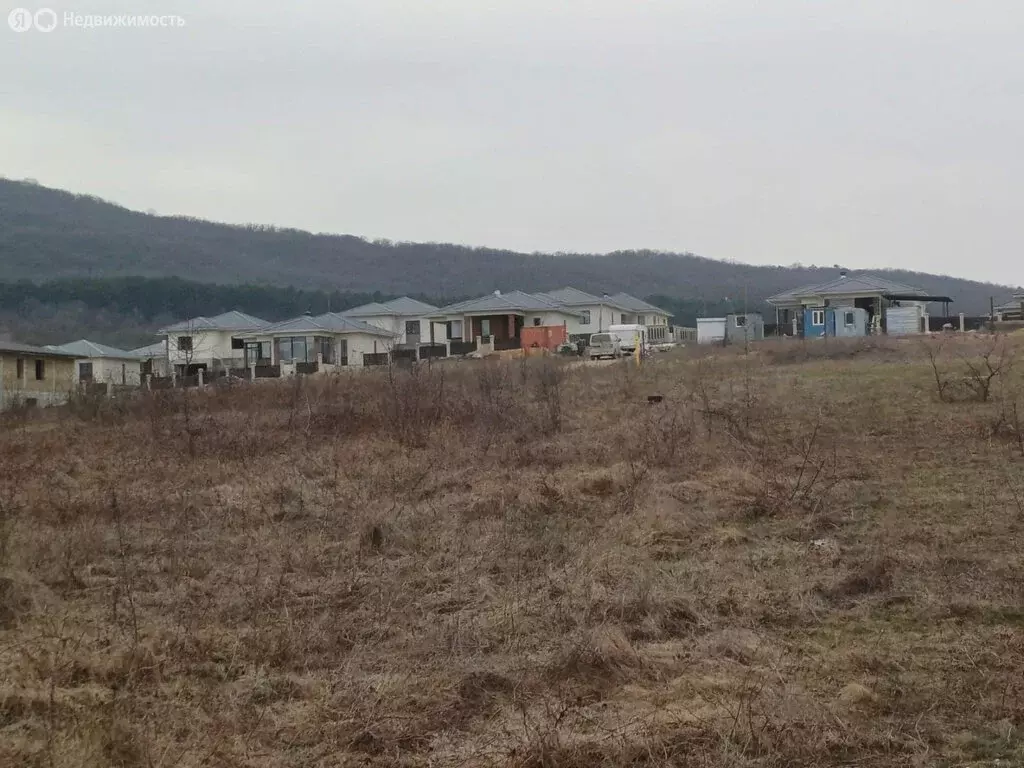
820, 322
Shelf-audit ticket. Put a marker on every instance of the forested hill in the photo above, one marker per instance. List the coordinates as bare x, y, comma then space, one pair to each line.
47, 234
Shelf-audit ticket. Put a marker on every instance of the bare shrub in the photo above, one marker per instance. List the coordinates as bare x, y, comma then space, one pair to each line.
416, 402
798, 473
495, 400
981, 369
549, 375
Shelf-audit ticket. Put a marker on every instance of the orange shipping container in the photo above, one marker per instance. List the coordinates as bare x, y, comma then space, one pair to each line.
543, 336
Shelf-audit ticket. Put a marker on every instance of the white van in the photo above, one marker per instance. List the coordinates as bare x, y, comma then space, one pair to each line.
628, 336
604, 345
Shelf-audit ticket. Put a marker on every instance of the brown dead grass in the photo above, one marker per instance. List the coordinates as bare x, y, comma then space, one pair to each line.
797, 558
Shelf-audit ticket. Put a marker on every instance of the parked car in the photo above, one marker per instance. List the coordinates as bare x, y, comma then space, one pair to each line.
629, 336
604, 345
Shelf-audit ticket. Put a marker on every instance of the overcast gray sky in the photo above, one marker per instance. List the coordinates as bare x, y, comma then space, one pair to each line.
863, 132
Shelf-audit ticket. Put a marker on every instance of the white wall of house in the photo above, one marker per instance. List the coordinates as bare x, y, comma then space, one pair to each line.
600, 316
648, 319
360, 344
552, 317
158, 365
108, 370
210, 347
396, 324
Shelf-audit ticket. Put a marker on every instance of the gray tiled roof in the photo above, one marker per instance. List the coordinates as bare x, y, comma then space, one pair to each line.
86, 348
159, 349
513, 301
792, 293
403, 305
28, 349
374, 309
633, 304
570, 296
227, 321
847, 284
329, 322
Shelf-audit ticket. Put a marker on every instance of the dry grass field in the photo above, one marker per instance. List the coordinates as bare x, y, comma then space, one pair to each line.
808, 555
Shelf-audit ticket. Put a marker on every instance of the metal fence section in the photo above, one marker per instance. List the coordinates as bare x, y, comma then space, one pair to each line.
428, 351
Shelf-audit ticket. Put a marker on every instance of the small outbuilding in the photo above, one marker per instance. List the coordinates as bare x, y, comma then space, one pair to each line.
905, 320
742, 328
711, 330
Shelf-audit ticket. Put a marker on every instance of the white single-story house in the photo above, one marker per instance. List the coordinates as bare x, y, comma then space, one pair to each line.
323, 343
801, 310
213, 343
407, 319
101, 364
592, 314
501, 317
153, 359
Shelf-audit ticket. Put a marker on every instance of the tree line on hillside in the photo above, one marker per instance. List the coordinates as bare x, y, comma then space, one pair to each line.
47, 234
153, 297
126, 311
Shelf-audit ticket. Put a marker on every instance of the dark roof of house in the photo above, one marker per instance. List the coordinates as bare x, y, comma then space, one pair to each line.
86, 348
157, 349
633, 304
329, 322
574, 297
403, 305
513, 301
227, 321
27, 349
848, 285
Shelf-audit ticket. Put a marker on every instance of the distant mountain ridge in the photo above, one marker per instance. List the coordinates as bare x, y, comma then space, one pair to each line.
47, 234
